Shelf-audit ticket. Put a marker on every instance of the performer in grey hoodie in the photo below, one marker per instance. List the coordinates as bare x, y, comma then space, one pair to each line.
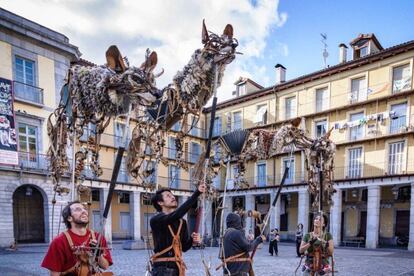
236, 259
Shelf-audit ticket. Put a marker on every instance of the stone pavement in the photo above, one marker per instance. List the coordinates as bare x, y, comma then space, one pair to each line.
349, 262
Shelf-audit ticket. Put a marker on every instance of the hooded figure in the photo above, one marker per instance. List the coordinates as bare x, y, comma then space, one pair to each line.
237, 247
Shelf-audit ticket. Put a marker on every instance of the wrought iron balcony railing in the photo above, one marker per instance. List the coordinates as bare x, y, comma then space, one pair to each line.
28, 92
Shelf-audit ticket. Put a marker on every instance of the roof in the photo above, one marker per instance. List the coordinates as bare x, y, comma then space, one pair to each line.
341, 67
85, 62
366, 37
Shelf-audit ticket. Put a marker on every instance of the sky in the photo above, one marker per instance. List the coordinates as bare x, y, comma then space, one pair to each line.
269, 31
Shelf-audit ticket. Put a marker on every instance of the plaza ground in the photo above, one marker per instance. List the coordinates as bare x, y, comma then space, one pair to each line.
349, 261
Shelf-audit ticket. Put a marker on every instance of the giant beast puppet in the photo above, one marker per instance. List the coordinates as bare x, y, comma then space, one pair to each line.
96, 94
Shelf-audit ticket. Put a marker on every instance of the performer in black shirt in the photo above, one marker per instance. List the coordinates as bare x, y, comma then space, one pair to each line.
170, 233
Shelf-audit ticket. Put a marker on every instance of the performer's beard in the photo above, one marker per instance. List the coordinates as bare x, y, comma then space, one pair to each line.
80, 223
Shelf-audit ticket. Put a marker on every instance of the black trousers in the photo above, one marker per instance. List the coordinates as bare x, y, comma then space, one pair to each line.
273, 247
164, 271
298, 242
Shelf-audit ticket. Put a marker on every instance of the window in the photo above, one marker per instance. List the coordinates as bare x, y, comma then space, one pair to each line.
25, 71
241, 89
95, 195
150, 172
146, 199
25, 84
290, 106
398, 117
174, 176
237, 120
195, 152
123, 197
217, 126
88, 131
396, 157
261, 114
320, 128
217, 181
354, 162
123, 172
401, 78
290, 177
125, 220
119, 133
28, 145
357, 131
363, 51
176, 126
172, 151
358, 90
321, 99
261, 174
195, 130
217, 153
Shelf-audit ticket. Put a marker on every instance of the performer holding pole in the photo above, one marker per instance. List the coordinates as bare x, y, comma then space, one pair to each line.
170, 232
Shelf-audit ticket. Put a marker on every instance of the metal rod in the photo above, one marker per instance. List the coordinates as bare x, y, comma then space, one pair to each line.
201, 214
73, 164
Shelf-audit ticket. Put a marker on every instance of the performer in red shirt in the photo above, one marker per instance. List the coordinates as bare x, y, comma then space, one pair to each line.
71, 249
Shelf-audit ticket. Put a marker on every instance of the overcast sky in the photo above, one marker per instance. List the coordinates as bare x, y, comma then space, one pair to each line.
269, 31
172, 28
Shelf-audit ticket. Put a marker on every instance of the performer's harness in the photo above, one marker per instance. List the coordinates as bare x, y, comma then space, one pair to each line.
82, 266
317, 265
176, 247
241, 257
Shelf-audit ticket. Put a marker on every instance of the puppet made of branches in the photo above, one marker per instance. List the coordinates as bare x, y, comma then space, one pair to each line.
263, 144
187, 95
93, 95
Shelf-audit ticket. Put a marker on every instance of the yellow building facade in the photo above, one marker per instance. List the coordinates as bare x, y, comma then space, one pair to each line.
367, 101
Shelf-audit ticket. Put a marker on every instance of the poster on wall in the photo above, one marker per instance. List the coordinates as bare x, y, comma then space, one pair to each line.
8, 141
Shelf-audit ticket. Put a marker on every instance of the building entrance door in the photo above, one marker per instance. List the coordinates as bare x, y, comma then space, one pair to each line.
28, 215
402, 227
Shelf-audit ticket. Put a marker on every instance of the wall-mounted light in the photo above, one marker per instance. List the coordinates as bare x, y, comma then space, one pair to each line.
29, 191
394, 191
288, 198
354, 193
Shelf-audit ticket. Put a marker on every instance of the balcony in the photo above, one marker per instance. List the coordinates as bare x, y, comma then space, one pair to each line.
28, 93
35, 161
398, 125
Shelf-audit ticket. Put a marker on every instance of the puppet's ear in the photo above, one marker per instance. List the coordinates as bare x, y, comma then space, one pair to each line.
204, 33
114, 59
228, 31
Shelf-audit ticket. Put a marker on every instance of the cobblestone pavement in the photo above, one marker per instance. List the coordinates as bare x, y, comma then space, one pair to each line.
352, 262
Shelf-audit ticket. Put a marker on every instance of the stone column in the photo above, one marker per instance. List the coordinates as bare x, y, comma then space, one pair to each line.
108, 226
336, 217
135, 207
250, 205
275, 216
411, 242
303, 209
373, 214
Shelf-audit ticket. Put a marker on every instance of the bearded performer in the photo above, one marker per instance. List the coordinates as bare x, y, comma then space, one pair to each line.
70, 252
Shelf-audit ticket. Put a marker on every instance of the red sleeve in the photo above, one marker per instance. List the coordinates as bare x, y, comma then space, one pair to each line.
107, 252
55, 256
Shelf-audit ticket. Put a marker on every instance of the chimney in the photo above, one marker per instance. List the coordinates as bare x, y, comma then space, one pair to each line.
342, 53
280, 73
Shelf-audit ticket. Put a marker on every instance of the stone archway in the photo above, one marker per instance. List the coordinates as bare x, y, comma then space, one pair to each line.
28, 215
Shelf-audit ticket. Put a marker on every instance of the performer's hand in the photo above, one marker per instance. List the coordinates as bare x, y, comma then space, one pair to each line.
202, 187
263, 238
196, 237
